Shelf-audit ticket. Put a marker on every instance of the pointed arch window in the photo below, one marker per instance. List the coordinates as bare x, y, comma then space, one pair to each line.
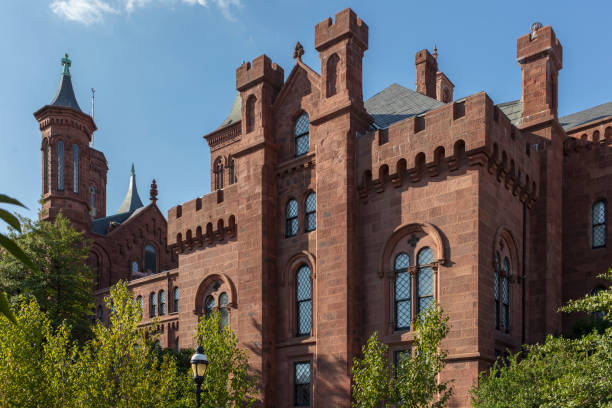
303, 300
60, 166
218, 173
301, 135
75, 169
311, 212
403, 292
506, 294
425, 281
223, 309
150, 259
496, 280
162, 302
291, 218
176, 300
599, 218
153, 304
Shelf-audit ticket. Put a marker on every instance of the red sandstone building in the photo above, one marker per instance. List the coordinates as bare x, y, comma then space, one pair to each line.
331, 217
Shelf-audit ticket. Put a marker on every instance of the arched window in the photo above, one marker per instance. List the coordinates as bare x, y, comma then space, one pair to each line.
223, 309
60, 166
506, 295
92, 200
100, 314
75, 168
303, 300
153, 305
218, 173
135, 267
332, 74
310, 219
176, 300
291, 218
425, 279
301, 135
403, 292
599, 224
46, 152
209, 305
150, 259
250, 113
162, 302
496, 289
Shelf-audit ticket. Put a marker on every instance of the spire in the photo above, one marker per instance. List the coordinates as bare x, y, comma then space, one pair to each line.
65, 94
132, 201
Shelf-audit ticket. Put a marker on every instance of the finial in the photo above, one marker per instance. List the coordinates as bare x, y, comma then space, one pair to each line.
435, 52
66, 64
153, 192
133, 171
535, 27
298, 52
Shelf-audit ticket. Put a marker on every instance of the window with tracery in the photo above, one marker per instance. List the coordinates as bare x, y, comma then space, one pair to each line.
599, 224
425, 282
291, 218
303, 300
60, 166
301, 135
403, 292
162, 302
310, 218
153, 305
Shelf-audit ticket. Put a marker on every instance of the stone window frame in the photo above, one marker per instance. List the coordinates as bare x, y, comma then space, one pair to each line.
297, 136
291, 268
505, 245
604, 202
294, 364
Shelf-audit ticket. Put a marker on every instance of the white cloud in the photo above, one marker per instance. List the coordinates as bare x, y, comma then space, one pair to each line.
93, 11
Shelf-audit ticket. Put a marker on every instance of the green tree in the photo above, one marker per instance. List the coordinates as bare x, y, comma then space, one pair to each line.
228, 382
561, 372
61, 281
414, 382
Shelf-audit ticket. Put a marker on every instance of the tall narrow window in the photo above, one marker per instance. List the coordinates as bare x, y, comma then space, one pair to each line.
150, 259
60, 166
92, 200
301, 384
311, 212
301, 135
176, 300
218, 173
75, 168
425, 279
599, 224
506, 295
303, 298
153, 305
100, 314
45, 167
403, 289
209, 305
250, 113
223, 309
291, 217
162, 302
496, 289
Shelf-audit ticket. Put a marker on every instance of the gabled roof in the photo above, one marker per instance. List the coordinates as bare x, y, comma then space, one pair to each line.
589, 115
65, 93
132, 201
396, 103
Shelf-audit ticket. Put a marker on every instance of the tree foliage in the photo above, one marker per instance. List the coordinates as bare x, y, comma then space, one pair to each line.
561, 372
414, 382
228, 382
60, 280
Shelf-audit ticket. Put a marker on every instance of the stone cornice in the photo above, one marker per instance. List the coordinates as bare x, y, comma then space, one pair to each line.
224, 136
57, 115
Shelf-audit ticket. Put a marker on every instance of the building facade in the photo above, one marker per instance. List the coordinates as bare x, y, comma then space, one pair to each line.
331, 216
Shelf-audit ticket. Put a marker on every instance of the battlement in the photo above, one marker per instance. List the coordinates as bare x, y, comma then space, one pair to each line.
207, 219
262, 69
345, 24
539, 41
467, 133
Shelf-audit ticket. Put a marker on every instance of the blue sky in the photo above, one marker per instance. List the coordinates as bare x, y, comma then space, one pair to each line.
164, 70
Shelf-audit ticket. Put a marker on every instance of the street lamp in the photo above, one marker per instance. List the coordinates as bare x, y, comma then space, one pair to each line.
199, 362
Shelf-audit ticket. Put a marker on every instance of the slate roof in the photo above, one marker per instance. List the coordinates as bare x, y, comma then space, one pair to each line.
586, 116
512, 110
235, 114
65, 94
132, 200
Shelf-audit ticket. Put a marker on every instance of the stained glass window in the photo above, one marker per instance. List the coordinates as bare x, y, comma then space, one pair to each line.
599, 224
403, 291
311, 212
425, 279
301, 135
153, 305
223, 310
75, 171
60, 165
291, 217
301, 381
506, 295
303, 297
162, 302
496, 288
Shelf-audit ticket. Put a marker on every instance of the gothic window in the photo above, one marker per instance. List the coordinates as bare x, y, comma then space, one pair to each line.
176, 300
60, 166
301, 135
311, 212
250, 113
45, 167
402, 295
303, 300
496, 288
75, 171
291, 217
332, 74
218, 173
162, 302
209, 305
153, 305
135, 267
92, 200
301, 384
599, 224
425, 281
506, 295
223, 309
100, 314
150, 259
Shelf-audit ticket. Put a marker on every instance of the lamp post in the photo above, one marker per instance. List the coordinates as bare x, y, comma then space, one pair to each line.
199, 362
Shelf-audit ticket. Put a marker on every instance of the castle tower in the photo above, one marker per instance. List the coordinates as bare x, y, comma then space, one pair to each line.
66, 133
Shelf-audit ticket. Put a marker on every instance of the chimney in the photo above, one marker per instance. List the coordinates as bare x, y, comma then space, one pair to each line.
427, 68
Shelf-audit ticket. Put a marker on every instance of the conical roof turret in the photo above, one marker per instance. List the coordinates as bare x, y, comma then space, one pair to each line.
132, 201
65, 93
